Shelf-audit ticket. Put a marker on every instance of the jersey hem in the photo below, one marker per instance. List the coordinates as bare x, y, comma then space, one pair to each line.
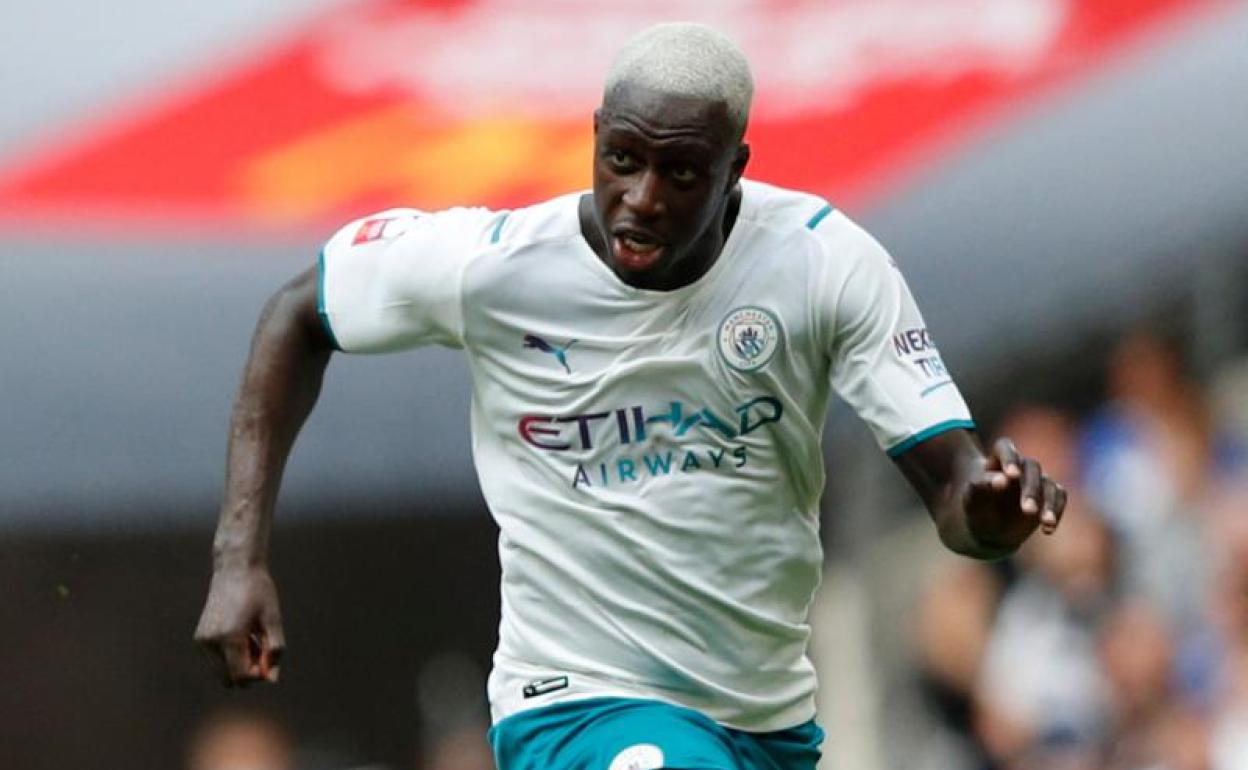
509, 675
592, 700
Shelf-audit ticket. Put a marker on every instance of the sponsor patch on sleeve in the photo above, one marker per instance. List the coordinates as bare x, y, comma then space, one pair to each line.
379, 228
915, 346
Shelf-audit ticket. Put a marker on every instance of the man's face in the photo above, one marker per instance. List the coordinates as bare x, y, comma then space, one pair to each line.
663, 170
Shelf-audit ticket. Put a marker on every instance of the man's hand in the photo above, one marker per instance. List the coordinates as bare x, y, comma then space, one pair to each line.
1010, 498
241, 626
984, 505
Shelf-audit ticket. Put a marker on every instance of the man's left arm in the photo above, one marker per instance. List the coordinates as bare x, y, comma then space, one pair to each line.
885, 364
984, 504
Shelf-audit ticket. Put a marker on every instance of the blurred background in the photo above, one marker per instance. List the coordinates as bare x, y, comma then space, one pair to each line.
1062, 181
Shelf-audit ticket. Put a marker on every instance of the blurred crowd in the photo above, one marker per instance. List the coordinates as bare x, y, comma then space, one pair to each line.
450, 722
1120, 643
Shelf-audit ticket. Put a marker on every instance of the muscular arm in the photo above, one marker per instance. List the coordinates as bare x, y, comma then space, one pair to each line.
241, 621
984, 505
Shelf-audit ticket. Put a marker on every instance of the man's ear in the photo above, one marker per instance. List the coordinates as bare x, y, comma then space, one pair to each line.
597, 120
739, 163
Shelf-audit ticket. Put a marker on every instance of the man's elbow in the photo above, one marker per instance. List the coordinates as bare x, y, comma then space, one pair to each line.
291, 314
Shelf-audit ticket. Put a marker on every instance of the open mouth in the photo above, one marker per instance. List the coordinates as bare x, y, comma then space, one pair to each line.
636, 250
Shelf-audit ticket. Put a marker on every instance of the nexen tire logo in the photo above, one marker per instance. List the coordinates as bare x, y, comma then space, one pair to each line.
916, 347
631, 426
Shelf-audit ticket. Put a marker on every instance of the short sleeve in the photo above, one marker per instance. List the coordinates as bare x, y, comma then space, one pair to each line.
884, 361
393, 280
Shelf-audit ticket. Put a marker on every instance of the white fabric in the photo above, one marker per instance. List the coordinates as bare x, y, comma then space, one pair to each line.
652, 458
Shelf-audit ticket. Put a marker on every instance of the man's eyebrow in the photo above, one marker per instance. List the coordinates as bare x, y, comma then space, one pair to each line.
694, 148
625, 126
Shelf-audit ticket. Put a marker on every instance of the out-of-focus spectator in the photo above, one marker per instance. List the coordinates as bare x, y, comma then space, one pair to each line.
1042, 692
1229, 740
241, 740
954, 621
1229, 400
1042, 697
1182, 741
1148, 461
1137, 655
1120, 643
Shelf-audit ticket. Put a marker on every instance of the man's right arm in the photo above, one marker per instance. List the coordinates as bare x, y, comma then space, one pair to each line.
241, 622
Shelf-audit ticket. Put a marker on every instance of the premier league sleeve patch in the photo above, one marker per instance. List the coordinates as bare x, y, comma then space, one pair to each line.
748, 338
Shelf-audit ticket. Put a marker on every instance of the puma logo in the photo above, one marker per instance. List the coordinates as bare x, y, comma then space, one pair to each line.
534, 342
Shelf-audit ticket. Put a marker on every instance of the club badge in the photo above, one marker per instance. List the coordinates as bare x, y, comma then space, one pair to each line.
748, 338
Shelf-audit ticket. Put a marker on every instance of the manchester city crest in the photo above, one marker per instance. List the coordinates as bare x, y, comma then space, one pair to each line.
748, 338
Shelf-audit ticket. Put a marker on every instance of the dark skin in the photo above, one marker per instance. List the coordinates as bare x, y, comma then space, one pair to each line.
670, 181
241, 624
665, 198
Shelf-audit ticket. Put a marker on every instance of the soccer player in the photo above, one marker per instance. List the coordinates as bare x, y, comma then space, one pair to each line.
651, 365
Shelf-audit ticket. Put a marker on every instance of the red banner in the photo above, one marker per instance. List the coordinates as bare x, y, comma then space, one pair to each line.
390, 103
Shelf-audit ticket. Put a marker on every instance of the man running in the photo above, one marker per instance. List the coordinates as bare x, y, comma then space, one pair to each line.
656, 485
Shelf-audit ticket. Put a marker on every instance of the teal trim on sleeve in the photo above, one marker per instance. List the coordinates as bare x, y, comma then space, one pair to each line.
819, 216
924, 435
498, 228
320, 301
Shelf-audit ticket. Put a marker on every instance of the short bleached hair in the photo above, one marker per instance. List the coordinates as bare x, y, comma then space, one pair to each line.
686, 59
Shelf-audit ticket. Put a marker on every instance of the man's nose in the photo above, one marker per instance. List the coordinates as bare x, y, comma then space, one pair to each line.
645, 196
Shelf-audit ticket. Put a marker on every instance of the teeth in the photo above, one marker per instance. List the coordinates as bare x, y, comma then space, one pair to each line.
640, 247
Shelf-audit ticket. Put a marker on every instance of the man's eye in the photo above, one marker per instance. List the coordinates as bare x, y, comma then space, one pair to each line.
619, 159
684, 174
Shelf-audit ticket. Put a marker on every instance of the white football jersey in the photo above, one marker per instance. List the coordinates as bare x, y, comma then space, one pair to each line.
652, 458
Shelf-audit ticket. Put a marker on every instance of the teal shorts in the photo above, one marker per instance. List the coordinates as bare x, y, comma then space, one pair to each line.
630, 734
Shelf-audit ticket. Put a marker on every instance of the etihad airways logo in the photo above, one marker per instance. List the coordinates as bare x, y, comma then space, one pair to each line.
611, 430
